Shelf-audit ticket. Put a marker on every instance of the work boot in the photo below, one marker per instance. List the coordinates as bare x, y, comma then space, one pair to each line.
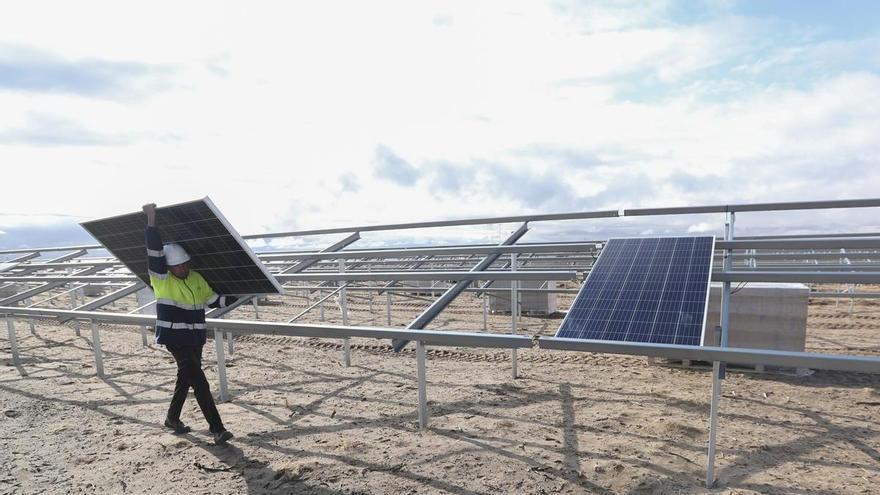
221, 437
178, 426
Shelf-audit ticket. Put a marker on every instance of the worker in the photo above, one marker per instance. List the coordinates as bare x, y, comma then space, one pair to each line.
181, 297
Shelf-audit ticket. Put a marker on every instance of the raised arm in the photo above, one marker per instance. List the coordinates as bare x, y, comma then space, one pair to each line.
156, 265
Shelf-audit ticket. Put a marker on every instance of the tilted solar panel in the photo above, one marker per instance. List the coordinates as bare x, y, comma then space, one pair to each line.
645, 290
215, 248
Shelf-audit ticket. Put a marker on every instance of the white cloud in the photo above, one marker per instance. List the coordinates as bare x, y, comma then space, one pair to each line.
277, 111
12, 221
701, 227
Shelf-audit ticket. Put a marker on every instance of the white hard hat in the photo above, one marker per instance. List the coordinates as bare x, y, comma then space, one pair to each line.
175, 254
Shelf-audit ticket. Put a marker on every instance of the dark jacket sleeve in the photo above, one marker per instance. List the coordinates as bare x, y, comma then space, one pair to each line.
214, 300
222, 301
156, 264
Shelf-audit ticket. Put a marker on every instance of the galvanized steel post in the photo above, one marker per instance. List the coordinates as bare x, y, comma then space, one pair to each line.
514, 309
718, 368
485, 311
221, 365
143, 298
388, 306
74, 303
13, 344
96, 347
343, 305
422, 384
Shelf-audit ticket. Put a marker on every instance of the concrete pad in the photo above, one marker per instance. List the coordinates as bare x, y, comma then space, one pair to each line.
762, 316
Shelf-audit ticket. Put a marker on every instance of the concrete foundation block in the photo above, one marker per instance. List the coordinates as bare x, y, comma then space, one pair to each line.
762, 316
542, 303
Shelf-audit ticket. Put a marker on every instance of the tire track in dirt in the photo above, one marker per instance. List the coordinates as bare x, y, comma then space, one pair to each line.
384, 349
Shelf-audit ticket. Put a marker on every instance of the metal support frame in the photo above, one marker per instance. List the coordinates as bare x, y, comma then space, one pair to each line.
13, 344
317, 303
790, 359
221, 365
852, 290
229, 336
440, 304
58, 248
388, 306
836, 243
802, 276
774, 266
249, 327
343, 306
309, 261
797, 205
109, 298
74, 294
219, 313
421, 373
96, 348
514, 311
56, 296
752, 356
10, 263
467, 339
145, 302
468, 276
486, 312
53, 282
446, 223
432, 311
718, 368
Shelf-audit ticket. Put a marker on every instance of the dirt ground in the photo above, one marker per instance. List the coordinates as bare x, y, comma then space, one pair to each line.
304, 423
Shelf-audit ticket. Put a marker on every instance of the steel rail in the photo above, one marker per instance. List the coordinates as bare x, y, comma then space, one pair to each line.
443, 223
798, 205
324, 276
430, 337
436, 251
846, 295
440, 275
803, 277
794, 244
861, 364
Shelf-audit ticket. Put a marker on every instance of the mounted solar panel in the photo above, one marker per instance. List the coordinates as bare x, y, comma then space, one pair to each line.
645, 290
216, 250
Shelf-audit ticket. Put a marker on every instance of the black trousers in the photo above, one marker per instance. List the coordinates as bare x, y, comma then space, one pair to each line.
190, 374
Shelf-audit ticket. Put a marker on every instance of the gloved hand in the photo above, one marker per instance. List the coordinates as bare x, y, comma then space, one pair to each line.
150, 211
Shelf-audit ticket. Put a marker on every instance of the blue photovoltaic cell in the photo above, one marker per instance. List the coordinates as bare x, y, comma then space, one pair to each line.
644, 290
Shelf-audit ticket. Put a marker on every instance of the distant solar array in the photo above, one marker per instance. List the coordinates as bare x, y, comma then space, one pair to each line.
216, 249
644, 290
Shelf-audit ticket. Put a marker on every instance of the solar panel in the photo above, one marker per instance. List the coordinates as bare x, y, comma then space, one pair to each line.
216, 250
645, 290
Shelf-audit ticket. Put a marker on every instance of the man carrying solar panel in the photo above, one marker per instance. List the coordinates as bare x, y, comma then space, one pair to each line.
181, 297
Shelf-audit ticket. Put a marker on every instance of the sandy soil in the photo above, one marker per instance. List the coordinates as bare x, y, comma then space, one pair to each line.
572, 423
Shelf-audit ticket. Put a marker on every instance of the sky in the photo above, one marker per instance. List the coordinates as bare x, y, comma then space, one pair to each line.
303, 115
